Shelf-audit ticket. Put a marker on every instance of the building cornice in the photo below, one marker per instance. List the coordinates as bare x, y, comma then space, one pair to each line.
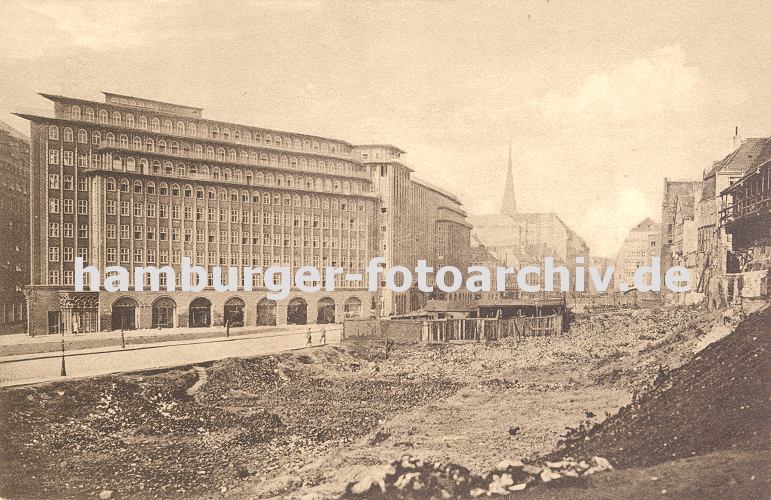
226, 163
435, 189
199, 179
203, 140
138, 109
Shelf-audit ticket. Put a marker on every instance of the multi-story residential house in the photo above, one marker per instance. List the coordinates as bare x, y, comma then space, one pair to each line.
714, 243
746, 216
673, 189
641, 245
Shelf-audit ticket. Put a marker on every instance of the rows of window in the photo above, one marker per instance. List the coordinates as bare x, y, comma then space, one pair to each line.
152, 256
199, 151
286, 241
238, 176
67, 158
67, 206
265, 218
66, 253
222, 215
66, 230
329, 250
66, 182
165, 257
255, 197
191, 129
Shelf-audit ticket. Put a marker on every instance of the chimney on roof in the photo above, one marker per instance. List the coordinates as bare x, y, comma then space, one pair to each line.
737, 139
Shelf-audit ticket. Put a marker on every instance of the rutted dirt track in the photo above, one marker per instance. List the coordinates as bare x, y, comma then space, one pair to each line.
311, 421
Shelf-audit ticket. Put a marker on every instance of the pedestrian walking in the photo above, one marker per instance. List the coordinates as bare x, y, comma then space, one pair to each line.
323, 339
308, 338
75, 326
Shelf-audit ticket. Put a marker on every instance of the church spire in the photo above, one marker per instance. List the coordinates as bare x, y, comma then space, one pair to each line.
509, 205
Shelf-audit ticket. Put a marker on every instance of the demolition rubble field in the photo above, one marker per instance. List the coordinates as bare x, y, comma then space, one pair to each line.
317, 421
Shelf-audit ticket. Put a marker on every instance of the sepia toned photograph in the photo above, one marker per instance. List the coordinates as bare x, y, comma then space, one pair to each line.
336, 249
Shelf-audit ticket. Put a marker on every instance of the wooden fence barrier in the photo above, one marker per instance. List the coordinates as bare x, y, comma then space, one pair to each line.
479, 329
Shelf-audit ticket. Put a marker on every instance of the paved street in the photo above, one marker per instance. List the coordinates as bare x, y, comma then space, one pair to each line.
19, 370
11, 345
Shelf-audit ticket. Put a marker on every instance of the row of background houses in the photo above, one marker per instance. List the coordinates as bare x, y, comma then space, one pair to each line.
719, 227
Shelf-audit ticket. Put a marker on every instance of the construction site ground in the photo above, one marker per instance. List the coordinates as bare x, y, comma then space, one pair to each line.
307, 423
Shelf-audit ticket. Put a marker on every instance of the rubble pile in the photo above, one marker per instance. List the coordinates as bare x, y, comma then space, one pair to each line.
718, 400
630, 348
624, 349
410, 477
143, 434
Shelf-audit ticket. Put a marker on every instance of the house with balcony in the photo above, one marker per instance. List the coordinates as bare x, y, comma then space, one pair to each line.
745, 215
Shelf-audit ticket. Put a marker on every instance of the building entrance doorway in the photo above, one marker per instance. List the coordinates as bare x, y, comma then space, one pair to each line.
297, 312
200, 313
326, 311
266, 313
163, 312
124, 314
234, 312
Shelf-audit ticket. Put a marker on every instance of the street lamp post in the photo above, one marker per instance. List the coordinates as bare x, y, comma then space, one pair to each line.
63, 372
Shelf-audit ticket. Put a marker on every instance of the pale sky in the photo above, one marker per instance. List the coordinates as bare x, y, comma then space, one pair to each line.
601, 101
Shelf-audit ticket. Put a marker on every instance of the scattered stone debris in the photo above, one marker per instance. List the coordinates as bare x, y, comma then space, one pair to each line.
191, 429
411, 477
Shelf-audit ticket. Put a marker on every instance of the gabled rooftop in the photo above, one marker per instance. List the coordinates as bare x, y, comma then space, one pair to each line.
740, 160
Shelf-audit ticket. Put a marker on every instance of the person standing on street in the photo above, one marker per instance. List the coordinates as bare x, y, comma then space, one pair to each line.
75, 326
323, 339
308, 338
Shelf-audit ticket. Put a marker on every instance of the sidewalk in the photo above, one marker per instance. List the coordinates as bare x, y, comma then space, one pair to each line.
19, 344
24, 369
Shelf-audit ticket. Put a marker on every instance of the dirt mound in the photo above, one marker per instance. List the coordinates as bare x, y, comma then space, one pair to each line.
718, 400
149, 434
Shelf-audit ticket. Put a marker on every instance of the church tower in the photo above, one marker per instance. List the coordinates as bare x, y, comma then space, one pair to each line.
509, 204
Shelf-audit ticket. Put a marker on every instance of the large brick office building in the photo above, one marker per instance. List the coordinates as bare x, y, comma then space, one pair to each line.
137, 182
